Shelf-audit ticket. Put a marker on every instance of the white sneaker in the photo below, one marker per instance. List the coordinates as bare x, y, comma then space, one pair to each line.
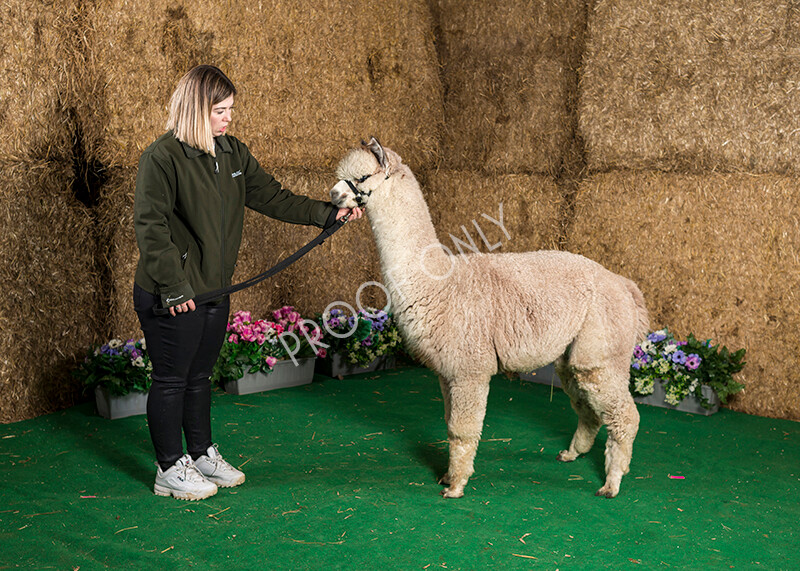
217, 470
184, 481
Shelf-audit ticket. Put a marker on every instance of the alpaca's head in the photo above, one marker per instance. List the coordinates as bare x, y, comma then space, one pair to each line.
363, 171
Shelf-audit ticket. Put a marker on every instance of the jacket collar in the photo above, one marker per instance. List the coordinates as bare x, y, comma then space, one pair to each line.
222, 143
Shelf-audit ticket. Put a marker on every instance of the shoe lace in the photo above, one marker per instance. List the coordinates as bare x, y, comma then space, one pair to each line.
219, 461
191, 473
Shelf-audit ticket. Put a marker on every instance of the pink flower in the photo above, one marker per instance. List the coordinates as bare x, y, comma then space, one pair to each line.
233, 339
242, 317
321, 353
261, 338
271, 361
247, 333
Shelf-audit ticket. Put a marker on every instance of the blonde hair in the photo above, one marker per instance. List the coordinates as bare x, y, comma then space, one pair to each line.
190, 106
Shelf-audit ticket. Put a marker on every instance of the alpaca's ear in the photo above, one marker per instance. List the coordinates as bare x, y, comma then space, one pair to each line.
376, 149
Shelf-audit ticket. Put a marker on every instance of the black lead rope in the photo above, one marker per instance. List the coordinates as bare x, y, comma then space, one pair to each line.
279, 267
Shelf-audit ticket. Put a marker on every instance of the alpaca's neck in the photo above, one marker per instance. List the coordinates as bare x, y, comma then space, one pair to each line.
404, 232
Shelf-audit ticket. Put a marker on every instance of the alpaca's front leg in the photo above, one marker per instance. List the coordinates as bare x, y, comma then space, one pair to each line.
468, 397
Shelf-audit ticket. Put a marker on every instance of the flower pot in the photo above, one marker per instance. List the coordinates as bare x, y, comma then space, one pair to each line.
335, 365
690, 404
546, 376
284, 374
114, 406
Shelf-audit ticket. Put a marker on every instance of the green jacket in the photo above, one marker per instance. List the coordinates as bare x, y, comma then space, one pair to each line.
189, 213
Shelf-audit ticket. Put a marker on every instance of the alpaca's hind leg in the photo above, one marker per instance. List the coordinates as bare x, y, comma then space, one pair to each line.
622, 420
468, 397
607, 393
588, 421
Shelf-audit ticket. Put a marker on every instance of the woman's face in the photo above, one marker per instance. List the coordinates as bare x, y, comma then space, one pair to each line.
221, 116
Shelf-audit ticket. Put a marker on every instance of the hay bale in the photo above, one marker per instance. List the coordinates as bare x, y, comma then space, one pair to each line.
715, 255
509, 72
311, 82
119, 250
34, 78
460, 203
673, 85
51, 309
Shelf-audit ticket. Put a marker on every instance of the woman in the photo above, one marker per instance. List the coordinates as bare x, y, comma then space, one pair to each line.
192, 187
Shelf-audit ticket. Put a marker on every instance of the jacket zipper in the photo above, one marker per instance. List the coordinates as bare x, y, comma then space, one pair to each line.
222, 223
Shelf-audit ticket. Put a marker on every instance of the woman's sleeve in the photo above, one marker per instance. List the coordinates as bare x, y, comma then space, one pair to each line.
264, 194
154, 202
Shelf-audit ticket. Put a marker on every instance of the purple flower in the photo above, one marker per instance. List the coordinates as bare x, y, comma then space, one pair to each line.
636, 365
367, 342
693, 361
656, 337
638, 352
679, 357
334, 322
106, 350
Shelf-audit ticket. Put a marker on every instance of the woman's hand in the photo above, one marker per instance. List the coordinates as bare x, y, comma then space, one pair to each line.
182, 308
355, 213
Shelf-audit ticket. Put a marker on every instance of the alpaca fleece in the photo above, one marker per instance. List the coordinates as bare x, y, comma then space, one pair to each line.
469, 316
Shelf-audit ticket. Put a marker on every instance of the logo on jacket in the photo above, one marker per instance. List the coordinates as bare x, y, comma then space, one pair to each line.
171, 299
237, 173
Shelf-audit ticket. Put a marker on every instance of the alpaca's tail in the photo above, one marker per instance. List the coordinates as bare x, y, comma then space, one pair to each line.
642, 318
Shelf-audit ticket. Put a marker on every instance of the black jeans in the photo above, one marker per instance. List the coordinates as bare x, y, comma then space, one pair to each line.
183, 350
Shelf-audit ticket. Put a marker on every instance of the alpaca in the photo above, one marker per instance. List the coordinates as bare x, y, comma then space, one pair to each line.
469, 316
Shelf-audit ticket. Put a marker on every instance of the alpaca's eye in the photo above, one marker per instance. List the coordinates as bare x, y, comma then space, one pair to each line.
363, 178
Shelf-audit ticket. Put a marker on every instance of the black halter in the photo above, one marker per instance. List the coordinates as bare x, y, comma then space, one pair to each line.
360, 194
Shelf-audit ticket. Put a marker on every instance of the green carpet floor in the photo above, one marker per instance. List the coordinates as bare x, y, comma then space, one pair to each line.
341, 474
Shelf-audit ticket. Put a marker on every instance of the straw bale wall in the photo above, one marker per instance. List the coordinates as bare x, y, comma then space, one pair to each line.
465, 208
50, 307
121, 252
601, 126
715, 255
311, 81
686, 86
508, 70
34, 76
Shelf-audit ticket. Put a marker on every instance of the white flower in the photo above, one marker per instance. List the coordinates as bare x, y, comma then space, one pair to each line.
143, 343
671, 348
647, 346
138, 362
115, 343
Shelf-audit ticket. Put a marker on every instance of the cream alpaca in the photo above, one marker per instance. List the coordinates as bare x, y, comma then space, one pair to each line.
469, 316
